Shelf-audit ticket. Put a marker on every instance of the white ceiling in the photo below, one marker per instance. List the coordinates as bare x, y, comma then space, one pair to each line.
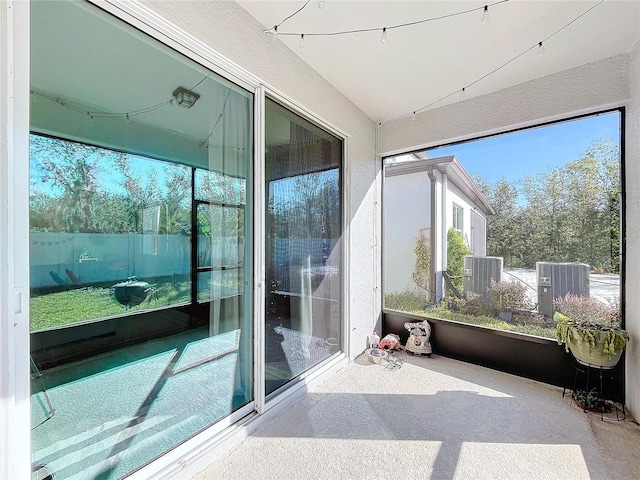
421, 64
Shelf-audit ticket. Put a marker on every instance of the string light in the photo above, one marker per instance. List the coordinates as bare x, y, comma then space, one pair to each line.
537, 45
413, 117
462, 93
541, 49
301, 42
485, 14
383, 37
275, 33
484, 8
320, 3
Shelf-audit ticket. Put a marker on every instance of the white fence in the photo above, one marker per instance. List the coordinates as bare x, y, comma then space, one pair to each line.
86, 258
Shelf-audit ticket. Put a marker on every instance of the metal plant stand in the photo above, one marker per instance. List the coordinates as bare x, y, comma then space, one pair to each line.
588, 391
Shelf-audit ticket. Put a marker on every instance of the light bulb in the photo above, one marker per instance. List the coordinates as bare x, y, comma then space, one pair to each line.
275, 33
413, 117
485, 14
462, 93
320, 3
541, 49
127, 119
301, 42
383, 38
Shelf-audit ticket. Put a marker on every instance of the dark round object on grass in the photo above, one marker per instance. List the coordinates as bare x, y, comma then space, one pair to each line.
131, 294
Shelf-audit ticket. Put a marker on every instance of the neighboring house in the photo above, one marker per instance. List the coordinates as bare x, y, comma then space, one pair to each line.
428, 196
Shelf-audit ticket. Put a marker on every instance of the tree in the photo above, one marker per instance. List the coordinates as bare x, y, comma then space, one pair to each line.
140, 192
570, 213
68, 172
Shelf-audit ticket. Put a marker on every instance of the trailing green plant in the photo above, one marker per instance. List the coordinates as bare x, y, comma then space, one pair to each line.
589, 319
507, 296
456, 251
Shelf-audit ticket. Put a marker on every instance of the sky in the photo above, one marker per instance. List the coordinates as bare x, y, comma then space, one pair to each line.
529, 152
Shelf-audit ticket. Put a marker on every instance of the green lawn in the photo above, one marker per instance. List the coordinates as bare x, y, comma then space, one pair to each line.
88, 303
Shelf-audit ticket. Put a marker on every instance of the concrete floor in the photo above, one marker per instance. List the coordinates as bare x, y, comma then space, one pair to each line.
434, 418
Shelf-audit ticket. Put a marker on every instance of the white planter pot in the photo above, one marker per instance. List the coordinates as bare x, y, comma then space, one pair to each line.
580, 350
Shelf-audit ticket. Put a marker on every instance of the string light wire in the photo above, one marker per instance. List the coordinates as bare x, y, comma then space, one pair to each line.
294, 13
377, 29
465, 89
205, 142
93, 114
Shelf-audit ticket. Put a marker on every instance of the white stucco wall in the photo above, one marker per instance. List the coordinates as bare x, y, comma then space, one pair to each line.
611, 82
407, 210
229, 30
583, 89
632, 234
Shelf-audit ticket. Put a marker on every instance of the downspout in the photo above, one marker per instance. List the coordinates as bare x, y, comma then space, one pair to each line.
432, 243
444, 244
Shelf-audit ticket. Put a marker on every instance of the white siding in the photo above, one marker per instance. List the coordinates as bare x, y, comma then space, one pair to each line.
407, 213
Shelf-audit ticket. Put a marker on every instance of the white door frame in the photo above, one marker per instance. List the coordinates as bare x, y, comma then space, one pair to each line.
15, 451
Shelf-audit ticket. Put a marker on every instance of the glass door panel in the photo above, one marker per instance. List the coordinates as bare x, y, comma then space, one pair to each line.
139, 341
303, 245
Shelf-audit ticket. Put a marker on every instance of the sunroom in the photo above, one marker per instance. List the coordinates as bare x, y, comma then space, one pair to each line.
192, 204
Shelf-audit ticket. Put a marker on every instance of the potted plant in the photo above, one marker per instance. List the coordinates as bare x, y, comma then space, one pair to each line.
590, 329
508, 297
590, 401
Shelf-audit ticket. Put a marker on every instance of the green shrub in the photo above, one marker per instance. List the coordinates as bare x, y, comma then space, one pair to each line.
456, 251
441, 311
404, 301
507, 296
476, 305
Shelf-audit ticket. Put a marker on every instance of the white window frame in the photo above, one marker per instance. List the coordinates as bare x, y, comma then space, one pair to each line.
457, 212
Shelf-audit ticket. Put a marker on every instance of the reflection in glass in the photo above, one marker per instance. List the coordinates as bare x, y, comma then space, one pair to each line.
140, 244
303, 251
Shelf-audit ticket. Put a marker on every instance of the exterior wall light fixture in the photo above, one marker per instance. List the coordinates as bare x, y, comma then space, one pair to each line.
185, 98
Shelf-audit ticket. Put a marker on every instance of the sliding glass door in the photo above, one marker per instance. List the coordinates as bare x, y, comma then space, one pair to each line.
141, 245
143, 328
303, 169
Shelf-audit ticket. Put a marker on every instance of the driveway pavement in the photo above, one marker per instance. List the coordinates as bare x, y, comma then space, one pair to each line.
604, 287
